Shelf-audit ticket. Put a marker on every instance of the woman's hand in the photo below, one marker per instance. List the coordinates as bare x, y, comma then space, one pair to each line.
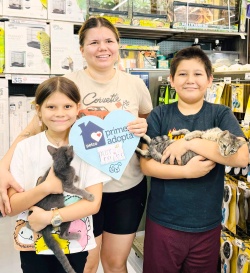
138, 127
6, 181
53, 183
39, 218
175, 151
198, 166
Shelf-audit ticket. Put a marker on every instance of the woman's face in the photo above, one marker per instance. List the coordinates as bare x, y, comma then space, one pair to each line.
100, 49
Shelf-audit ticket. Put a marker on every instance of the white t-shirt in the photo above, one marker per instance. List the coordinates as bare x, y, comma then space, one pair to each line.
124, 91
30, 161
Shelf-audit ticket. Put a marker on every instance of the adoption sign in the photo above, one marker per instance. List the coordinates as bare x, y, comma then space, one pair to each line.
105, 144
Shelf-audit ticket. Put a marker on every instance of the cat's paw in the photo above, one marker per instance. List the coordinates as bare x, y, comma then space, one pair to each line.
71, 236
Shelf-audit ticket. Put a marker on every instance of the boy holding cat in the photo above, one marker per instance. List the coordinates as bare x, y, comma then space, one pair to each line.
184, 206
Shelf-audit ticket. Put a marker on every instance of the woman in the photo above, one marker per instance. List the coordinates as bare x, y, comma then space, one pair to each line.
103, 86
105, 89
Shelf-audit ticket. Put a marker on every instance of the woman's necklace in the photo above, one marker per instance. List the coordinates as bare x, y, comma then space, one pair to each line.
58, 143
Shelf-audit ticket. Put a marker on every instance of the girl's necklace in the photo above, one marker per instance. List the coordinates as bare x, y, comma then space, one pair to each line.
55, 141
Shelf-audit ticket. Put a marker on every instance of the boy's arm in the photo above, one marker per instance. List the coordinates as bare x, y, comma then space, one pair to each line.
40, 218
196, 167
207, 149
6, 179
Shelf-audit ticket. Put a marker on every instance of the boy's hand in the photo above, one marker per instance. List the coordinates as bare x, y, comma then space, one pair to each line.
138, 127
175, 151
7, 181
198, 166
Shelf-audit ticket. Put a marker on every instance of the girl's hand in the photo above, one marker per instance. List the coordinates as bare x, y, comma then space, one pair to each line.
198, 166
138, 127
39, 218
175, 151
53, 183
6, 181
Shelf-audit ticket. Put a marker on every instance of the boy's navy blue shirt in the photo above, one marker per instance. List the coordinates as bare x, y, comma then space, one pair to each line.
192, 205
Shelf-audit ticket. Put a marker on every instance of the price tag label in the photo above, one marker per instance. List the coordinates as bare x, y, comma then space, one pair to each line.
227, 79
33, 79
247, 76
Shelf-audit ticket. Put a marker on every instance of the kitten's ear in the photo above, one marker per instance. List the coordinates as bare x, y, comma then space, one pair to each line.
52, 150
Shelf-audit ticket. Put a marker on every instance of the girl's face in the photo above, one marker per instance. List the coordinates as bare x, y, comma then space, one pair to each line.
58, 112
191, 81
100, 49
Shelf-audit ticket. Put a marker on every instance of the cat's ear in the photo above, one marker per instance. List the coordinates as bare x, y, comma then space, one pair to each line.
52, 150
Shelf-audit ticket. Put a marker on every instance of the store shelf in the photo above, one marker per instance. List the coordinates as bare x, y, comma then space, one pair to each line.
175, 34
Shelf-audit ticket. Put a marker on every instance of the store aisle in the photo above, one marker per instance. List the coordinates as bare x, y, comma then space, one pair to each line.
9, 257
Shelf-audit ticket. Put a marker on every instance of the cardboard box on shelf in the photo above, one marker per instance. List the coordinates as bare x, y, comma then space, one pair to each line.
151, 13
73, 10
24, 8
27, 46
65, 57
206, 17
18, 115
4, 117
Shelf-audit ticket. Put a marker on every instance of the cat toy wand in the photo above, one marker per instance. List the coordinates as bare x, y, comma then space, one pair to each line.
227, 196
226, 253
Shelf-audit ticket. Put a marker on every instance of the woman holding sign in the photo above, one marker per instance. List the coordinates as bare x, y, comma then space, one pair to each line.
103, 89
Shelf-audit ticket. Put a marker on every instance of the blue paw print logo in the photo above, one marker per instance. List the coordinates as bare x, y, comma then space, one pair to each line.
115, 168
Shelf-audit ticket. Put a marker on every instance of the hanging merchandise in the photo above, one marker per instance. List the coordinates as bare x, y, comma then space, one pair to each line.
217, 46
226, 255
166, 94
196, 43
237, 97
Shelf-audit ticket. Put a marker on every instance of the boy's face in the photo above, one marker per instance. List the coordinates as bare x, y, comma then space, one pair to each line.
191, 81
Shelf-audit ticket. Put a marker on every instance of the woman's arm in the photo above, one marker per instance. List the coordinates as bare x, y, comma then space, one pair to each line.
21, 201
196, 167
40, 218
6, 179
208, 149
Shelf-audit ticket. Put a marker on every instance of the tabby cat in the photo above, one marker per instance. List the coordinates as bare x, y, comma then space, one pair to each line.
227, 142
62, 158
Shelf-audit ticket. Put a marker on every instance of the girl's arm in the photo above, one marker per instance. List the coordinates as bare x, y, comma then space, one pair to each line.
21, 201
196, 167
6, 179
207, 149
40, 218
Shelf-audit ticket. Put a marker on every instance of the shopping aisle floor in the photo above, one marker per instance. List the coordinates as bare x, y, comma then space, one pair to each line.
9, 257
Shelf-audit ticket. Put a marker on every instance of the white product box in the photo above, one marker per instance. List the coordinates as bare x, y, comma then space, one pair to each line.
24, 8
65, 56
27, 47
4, 117
67, 10
31, 108
2, 47
18, 115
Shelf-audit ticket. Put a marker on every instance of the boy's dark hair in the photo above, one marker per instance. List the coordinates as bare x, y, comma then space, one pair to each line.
94, 22
57, 84
188, 53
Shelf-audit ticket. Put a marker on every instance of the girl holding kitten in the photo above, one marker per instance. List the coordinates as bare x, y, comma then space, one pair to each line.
57, 104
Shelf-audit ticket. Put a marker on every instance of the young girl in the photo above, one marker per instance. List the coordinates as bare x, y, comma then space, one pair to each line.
57, 104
